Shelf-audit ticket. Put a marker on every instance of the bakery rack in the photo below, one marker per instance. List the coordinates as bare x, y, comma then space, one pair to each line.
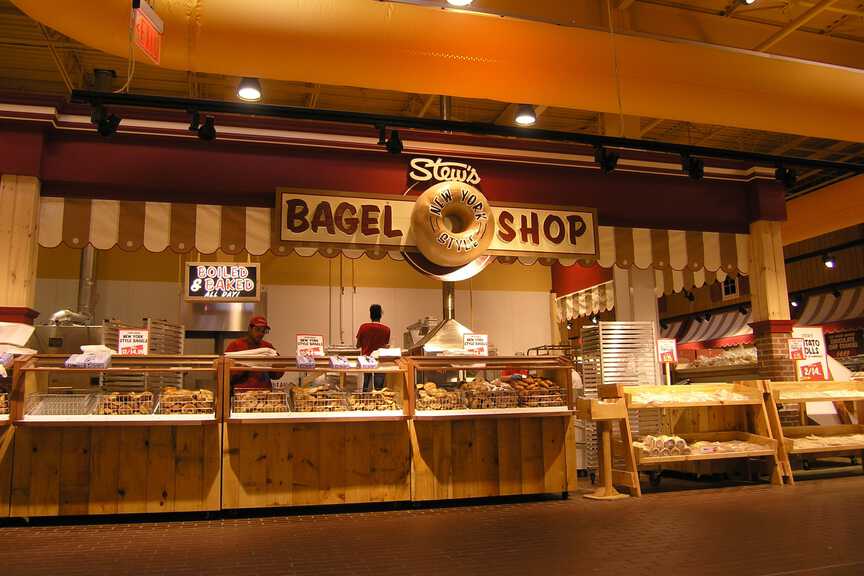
555, 368
33, 403
335, 408
835, 440
720, 412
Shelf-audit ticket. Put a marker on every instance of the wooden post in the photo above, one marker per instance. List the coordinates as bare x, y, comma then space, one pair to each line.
19, 248
770, 300
607, 491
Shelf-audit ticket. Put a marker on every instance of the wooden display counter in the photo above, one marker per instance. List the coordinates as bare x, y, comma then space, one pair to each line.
334, 451
464, 452
845, 439
87, 463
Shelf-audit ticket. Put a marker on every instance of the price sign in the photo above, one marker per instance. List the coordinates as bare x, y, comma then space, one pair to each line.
133, 342
310, 345
667, 350
476, 344
814, 366
796, 349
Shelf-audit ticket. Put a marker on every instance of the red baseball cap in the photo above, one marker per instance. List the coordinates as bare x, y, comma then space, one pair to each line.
259, 321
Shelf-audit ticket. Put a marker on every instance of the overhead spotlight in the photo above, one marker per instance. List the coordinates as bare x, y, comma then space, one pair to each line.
394, 144
744, 309
106, 124
249, 90
785, 175
569, 325
594, 319
829, 261
795, 301
707, 316
689, 295
664, 325
459, 3
694, 167
748, 2
382, 136
525, 115
835, 293
207, 131
608, 161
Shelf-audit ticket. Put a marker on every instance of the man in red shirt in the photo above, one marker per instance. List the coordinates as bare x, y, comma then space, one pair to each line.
258, 328
370, 337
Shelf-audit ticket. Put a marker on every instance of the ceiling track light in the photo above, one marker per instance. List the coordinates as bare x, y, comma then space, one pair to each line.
836, 293
608, 161
787, 176
744, 309
689, 295
795, 301
525, 115
394, 143
594, 319
249, 90
106, 124
829, 261
693, 167
207, 130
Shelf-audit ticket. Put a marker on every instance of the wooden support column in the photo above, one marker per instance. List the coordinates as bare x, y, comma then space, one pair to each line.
771, 324
19, 248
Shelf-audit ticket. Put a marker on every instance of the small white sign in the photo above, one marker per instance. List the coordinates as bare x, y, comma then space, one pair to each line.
133, 342
667, 350
815, 365
476, 344
310, 345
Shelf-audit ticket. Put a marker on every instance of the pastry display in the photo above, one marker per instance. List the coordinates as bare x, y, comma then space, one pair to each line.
431, 397
481, 394
814, 441
681, 395
125, 403
260, 401
837, 394
738, 356
180, 401
663, 446
324, 397
4, 403
376, 400
534, 391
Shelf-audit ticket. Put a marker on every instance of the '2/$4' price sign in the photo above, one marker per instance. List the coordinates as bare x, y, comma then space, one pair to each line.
814, 366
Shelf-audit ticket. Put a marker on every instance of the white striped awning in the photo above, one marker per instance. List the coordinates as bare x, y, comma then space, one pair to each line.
671, 329
680, 258
827, 308
723, 325
587, 302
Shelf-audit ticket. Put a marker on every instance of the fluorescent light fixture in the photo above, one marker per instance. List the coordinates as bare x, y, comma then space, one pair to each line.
459, 3
249, 90
525, 115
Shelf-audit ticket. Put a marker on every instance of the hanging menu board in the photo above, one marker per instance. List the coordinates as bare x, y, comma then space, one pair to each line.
845, 344
222, 282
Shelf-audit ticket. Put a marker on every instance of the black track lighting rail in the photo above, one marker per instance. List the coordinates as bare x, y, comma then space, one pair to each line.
438, 125
833, 250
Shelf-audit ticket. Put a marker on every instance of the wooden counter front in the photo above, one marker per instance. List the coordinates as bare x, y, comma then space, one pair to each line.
305, 464
7, 436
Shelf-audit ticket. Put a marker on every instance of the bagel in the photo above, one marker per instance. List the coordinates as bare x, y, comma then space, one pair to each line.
452, 223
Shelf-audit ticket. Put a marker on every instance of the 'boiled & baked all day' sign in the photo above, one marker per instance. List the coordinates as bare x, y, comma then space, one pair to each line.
223, 282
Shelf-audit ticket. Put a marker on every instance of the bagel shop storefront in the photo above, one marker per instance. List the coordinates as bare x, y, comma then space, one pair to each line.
336, 224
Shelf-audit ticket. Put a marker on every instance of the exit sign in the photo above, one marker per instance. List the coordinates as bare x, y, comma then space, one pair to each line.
148, 30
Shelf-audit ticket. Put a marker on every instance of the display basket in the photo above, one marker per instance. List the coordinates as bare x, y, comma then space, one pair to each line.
369, 401
306, 402
453, 401
186, 402
59, 404
125, 403
4, 403
260, 402
543, 397
480, 399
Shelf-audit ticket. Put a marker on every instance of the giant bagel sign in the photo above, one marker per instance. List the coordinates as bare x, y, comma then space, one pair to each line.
450, 224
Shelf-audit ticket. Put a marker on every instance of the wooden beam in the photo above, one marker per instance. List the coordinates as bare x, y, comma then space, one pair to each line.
57, 60
624, 4
789, 145
426, 105
836, 147
795, 24
651, 126
312, 97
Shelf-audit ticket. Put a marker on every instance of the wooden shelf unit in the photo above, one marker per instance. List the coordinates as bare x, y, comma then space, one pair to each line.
838, 392
709, 420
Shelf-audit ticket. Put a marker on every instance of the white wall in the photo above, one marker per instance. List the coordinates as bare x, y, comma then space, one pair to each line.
514, 320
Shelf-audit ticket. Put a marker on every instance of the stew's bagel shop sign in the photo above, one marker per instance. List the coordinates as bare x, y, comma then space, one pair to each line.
451, 223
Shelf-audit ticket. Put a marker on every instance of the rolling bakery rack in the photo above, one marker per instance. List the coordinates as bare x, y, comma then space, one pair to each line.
845, 439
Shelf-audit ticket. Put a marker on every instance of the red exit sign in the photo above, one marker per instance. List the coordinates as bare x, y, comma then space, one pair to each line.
148, 30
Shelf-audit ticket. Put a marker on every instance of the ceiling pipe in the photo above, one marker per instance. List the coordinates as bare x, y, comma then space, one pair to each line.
438, 125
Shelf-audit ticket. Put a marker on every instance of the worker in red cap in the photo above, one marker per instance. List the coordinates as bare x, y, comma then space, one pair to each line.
254, 338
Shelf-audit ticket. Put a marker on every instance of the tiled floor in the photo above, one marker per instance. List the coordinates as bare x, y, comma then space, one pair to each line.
815, 528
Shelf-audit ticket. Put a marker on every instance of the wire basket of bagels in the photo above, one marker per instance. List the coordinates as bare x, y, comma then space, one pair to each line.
259, 402
430, 396
536, 392
125, 403
481, 394
324, 397
182, 401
